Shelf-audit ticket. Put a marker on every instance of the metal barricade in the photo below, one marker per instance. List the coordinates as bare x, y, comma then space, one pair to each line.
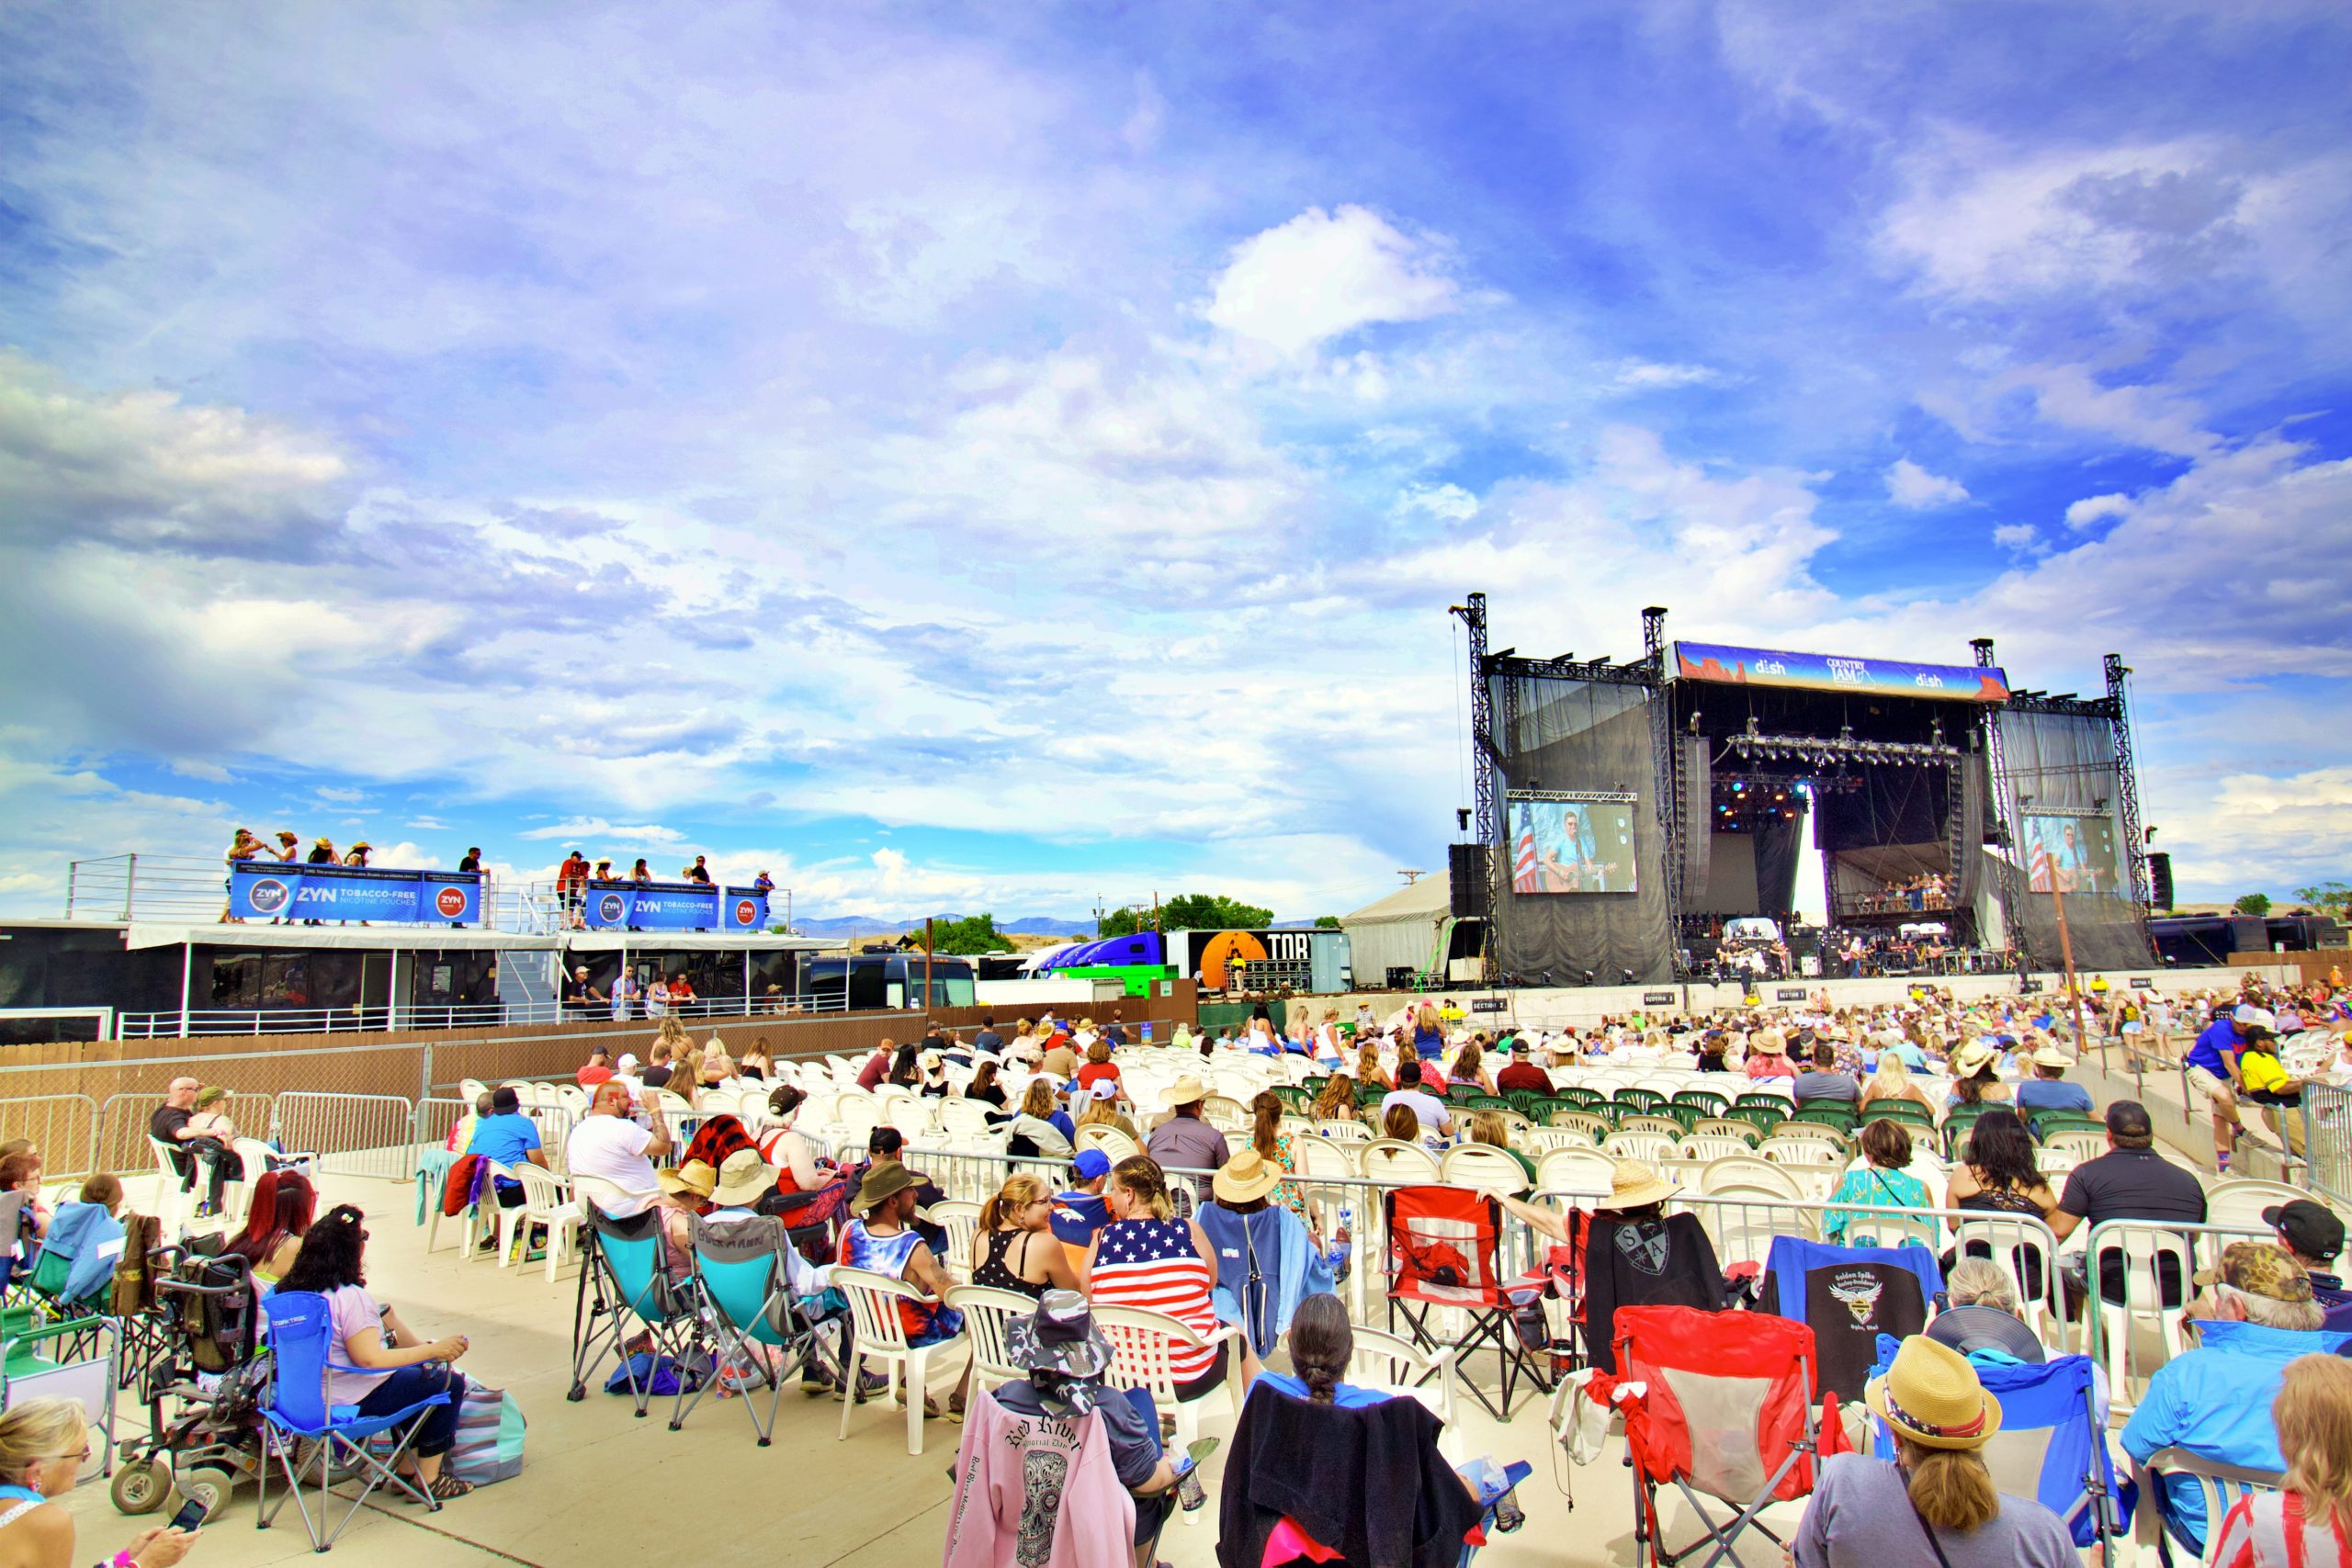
353, 1134
63, 1127
119, 1131
2327, 1136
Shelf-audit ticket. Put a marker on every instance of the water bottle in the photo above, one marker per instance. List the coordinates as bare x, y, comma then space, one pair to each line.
1341, 1245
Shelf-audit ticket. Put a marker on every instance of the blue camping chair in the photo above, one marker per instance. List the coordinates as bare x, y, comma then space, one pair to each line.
629, 1309
756, 1326
2052, 1443
301, 1339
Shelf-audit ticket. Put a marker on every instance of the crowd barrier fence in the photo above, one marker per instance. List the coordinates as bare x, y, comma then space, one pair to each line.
353, 1134
64, 1127
2328, 1139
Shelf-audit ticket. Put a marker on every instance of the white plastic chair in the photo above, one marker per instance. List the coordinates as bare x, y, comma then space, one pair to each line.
988, 1312
1705, 1147
2065, 1150
1641, 1146
544, 1203
1142, 1345
2239, 1200
170, 1201
1341, 1132
2142, 1307
1393, 1364
1392, 1162
1483, 1166
879, 1335
1582, 1173
961, 1221
1115, 1145
1748, 1172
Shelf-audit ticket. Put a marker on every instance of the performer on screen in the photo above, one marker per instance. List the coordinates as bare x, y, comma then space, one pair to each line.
1564, 862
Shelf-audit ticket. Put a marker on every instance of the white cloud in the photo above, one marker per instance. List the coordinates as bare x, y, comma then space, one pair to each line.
1643, 375
1448, 503
1325, 273
2091, 508
605, 832
2019, 537
1913, 489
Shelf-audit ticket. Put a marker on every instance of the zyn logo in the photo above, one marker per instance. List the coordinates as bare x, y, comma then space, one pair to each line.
610, 907
746, 911
268, 895
450, 902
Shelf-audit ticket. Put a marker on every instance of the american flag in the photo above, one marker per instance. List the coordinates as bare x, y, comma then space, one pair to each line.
1523, 871
1150, 1263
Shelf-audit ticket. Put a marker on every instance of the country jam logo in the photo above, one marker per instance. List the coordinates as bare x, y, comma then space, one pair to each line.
610, 906
1850, 672
268, 895
746, 911
450, 902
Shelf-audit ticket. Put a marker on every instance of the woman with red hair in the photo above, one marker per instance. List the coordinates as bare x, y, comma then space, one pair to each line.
284, 1202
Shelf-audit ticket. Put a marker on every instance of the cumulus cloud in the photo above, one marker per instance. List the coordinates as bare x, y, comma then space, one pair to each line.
1913, 489
1643, 374
2018, 536
1325, 273
2088, 510
604, 832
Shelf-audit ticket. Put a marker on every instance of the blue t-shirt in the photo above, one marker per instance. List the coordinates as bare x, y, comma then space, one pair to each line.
1078, 1215
1346, 1395
2050, 1094
509, 1140
2220, 1035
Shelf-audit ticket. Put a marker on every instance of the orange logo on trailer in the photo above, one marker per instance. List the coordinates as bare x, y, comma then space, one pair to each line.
1228, 948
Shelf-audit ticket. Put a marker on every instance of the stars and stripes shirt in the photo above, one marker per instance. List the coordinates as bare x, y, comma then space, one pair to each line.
1151, 1263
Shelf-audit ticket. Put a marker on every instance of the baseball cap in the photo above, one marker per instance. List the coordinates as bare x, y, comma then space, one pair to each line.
1106, 1088
2309, 1228
2259, 1269
1090, 1164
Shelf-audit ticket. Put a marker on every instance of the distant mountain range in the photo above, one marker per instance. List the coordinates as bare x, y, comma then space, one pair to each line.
876, 927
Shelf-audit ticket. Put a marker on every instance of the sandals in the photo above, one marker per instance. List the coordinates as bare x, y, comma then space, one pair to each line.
446, 1487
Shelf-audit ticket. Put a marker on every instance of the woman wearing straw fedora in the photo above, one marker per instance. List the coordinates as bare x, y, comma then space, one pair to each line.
1936, 1502
1635, 1254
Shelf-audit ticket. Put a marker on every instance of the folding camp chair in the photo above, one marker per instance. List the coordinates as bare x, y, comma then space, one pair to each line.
748, 1312
627, 1305
2052, 1443
301, 1342
1723, 1404
1444, 1247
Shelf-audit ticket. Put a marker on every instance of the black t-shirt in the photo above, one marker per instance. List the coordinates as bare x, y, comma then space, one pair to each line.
470, 864
2134, 1184
167, 1122
696, 874
656, 1077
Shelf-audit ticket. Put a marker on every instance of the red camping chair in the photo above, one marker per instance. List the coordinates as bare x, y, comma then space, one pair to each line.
1443, 1253
1723, 1405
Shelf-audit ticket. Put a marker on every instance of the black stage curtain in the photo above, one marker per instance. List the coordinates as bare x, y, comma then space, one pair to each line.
1698, 816
1577, 734
1971, 773
2060, 763
1779, 847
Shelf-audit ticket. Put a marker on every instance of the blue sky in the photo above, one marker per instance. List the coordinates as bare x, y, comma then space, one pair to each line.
1001, 457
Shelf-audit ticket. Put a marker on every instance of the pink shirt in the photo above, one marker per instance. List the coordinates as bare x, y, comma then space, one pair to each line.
352, 1311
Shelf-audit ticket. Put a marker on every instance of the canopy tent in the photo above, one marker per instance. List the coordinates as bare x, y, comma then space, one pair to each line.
1398, 932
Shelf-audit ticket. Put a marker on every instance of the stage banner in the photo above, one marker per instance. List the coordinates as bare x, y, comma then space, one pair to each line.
674, 907
270, 890
1835, 672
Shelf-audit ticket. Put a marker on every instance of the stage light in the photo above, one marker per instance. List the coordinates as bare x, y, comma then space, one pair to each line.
1589, 978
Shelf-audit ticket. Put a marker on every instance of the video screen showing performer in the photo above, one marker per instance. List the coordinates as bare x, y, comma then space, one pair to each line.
1572, 846
2070, 855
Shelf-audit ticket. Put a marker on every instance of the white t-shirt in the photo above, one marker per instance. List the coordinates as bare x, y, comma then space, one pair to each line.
613, 1148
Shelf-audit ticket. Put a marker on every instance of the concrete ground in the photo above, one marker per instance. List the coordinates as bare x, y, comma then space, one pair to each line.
601, 1487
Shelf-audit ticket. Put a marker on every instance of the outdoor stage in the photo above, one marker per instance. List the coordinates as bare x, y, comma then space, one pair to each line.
1627, 812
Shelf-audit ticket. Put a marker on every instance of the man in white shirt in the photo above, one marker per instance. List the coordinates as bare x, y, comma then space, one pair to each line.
609, 1144
1428, 1110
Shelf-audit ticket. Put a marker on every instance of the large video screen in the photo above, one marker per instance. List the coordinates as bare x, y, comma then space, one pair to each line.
1571, 846
2070, 855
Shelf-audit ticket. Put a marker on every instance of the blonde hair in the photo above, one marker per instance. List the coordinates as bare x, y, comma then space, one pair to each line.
1367, 1062
37, 1429
1338, 1089
1980, 1281
1892, 1075
1426, 1017
1140, 1177
1039, 1100
1950, 1487
671, 1034
2314, 1415
1020, 1189
1488, 1127
1097, 1114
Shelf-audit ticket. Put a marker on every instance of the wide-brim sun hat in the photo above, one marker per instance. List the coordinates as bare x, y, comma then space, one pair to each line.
696, 1177
2051, 1056
1246, 1178
1972, 1058
883, 1178
1059, 1337
1635, 1184
1931, 1396
1967, 1328
1187, 1091
744, 1177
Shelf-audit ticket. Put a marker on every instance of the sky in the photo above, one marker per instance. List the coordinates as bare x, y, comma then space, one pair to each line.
1018, 457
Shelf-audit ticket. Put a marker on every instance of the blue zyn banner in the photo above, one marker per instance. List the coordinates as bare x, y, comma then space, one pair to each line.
674, 907
269, 890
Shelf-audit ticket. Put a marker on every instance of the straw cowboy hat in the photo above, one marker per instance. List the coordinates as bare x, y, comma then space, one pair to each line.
1186, 1091
1245, 1176
696, 1177
1930, 1396
1768, 1043
744, 1177
2052, 1057
1634, 1184
1972, 1058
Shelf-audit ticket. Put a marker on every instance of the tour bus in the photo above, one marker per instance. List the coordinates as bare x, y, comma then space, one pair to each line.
1135, 961
886, 980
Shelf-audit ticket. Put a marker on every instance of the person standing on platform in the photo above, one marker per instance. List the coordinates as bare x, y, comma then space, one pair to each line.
623, 992
698, 872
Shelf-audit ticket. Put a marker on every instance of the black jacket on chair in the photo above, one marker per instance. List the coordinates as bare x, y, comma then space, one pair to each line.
1368, 1482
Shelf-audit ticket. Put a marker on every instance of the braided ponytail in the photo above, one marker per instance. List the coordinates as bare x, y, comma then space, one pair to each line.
1321, 1340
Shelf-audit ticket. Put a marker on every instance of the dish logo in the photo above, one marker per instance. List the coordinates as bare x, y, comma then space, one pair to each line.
450, 902
746, 911
610, 906
268, 895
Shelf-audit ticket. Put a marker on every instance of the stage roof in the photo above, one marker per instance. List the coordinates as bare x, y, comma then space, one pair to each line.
1728, 665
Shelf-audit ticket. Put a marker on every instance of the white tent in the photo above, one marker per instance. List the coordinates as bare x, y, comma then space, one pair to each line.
1398, 932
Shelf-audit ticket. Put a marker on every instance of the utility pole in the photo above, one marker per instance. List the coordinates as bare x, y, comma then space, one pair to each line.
927, 922
2066, 957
